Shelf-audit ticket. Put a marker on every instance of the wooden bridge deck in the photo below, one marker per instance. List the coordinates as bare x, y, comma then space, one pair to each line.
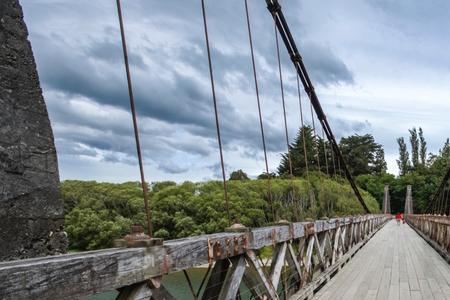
395, 264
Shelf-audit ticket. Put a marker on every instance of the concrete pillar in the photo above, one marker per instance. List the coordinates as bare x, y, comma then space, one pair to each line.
31, 211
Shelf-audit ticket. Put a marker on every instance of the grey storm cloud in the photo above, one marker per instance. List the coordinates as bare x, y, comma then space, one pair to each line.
170, 77
172, 168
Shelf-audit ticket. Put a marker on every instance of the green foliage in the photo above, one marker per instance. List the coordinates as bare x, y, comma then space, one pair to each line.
423, 176
98, 213
403, 162
423, 147
266, 176
418, 152
363, 155
239, 175
414, 140
305, 140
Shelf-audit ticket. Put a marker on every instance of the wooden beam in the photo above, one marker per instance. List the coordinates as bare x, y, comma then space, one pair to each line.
233, 279
261, 277
276, 267
137, 291
77, 275
216, 279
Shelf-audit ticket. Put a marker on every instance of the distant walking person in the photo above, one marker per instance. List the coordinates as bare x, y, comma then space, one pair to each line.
399, 218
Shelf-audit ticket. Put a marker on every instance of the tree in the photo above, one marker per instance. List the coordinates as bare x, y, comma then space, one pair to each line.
423, 147
297, 152
265, 176
101, 212
403, 162
414, 140
363, 155
239, 175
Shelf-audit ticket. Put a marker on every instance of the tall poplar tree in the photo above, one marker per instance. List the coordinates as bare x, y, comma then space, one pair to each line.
414, 140
423, 147
403, 162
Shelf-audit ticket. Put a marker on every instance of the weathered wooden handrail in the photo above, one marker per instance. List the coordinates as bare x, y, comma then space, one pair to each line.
303, 249
435, 229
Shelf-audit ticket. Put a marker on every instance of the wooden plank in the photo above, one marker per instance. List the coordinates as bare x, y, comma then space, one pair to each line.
371, 295
405, 293
252, 283
435, 289
278, 259
383, 290
292, 261
307, 260
319, 251
76, 275
335, 245
162, 293
308, 290
394, 286
265, 283
137, 291
405, 267
416, 295
216, 279
233, 279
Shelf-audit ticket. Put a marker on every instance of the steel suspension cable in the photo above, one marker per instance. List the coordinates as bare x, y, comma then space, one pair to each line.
339, 167
446, 201
216, 113
148, 211
305, 154
261, 124
441, 208
275, 9
441, 203
282, 100
325, 151
440, 189
438, 203
316, 147
291, 174
334, 164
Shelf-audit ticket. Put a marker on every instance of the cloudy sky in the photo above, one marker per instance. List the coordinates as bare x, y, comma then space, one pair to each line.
379, 67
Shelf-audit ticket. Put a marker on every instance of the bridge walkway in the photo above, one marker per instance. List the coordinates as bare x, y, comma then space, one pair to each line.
395, 264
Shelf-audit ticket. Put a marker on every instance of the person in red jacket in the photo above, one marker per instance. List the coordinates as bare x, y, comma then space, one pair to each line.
399, 218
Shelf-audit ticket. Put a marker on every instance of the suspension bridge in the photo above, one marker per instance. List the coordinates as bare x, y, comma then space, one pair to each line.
369, 256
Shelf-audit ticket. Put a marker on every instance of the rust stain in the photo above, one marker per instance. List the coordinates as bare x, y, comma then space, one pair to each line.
210, 252
165, 267
235, 246
274, 237
217, 250
244, 242
309, 229
227, 242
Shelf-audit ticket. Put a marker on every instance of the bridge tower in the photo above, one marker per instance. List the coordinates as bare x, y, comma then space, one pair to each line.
387, 200
408, 201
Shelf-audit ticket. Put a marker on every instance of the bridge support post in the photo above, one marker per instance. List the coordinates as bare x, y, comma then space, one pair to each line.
31, 210
386, 200
408, 201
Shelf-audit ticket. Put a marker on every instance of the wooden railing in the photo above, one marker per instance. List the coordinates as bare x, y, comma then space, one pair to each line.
305, 255
435, 229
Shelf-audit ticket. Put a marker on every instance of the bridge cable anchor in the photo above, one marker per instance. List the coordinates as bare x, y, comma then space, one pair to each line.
137, 238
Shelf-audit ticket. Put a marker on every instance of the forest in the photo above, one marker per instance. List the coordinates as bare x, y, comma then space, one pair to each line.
97, 213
